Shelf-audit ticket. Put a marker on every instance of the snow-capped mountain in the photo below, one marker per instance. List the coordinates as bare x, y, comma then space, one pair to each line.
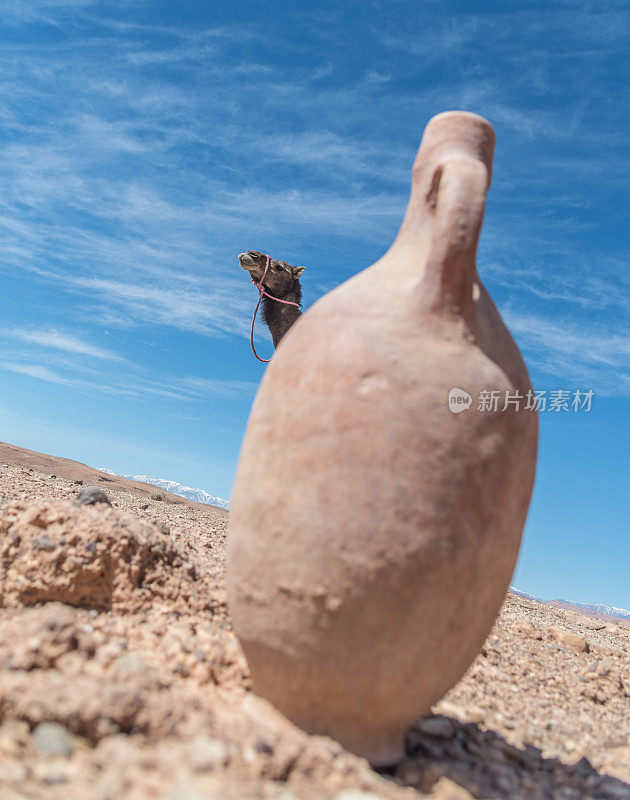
588, 608
599, 608
518, 592
197, 495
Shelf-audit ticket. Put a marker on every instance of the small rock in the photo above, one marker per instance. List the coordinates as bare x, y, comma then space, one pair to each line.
53, 739
616, 740
220, 597
162, 526
575, 641
451, 709
527, 628
185, 791
357, 794
604, 666
144, 506
596, 695
475, 714
14, 736
206, 754
446, 789
52, 773
78, 483
128, 666
53, 476
264, 747
570, 639
43, 542
91, 495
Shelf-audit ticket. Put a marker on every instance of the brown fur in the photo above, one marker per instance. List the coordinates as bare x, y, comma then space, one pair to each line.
282, 281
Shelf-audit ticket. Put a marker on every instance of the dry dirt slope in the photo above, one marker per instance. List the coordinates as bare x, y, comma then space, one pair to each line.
120, 677
47, 465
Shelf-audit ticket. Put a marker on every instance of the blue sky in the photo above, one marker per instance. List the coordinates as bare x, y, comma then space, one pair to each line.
145, 144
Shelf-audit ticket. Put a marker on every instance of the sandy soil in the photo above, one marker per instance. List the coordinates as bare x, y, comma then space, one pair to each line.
120, 676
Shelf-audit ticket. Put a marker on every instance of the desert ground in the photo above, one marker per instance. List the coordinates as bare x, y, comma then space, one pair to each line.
120, 676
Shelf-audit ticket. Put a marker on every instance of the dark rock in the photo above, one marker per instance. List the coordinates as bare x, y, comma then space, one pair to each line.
91, 495
43, 542
162, 526
144, 506
264, 747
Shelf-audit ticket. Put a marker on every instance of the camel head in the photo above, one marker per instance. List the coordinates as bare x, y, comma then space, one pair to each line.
281, 276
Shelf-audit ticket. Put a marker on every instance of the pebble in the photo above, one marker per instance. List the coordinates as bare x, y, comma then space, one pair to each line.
91, 495
43, 542
527, 628
474, 714
446, 789
14, 736
283, 794
604, 666
616, 741
53, 739
596, 695
52, 773
187, 792
451, 709
161, 526
573, 640
570, 639
570, 745
206, 754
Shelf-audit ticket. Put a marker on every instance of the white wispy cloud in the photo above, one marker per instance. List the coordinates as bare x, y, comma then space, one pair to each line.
34, 371
217, 388
133, 383
568, 353
213, 311
57, 340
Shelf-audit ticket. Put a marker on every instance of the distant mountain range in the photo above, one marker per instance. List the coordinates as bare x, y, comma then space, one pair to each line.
590, 609
197, 495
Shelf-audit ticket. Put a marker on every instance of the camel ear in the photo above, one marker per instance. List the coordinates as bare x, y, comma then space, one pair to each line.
297, 271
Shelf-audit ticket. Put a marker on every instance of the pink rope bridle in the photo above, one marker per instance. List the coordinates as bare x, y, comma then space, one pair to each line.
264, 293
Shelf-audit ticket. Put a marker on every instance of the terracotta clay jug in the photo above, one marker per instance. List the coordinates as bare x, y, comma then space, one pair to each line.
374, 526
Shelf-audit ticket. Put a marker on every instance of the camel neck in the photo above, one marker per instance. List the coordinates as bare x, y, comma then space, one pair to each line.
278, 316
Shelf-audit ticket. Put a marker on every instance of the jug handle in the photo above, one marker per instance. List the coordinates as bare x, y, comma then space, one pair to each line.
456, 202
